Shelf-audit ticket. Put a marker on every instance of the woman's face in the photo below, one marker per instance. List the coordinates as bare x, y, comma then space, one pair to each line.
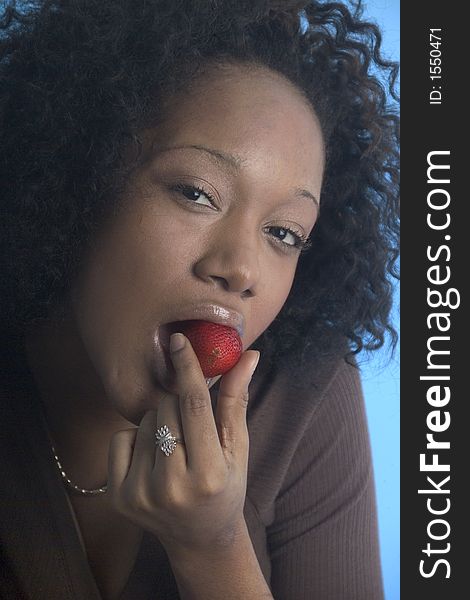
237, 163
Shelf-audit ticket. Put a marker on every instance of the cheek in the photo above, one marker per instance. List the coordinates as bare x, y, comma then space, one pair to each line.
122, 286
271, 299
129, 280
131, 267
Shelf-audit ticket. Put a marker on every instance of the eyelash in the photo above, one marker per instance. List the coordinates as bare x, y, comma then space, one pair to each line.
302, 242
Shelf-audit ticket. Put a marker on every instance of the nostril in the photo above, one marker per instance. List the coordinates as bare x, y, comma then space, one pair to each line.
221, 281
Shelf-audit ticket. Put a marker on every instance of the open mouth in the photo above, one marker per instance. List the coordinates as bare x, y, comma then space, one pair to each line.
167, 329
226, 348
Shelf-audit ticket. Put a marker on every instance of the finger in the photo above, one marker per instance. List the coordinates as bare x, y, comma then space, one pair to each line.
120, 457
232, 403
199, 428
169, 415
143, 457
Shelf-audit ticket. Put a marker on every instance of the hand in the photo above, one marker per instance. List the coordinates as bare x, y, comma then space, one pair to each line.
194, 498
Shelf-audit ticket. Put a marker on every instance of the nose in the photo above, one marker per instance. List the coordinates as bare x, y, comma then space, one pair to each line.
231, 260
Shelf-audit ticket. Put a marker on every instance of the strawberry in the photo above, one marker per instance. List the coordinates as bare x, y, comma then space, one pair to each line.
217, 347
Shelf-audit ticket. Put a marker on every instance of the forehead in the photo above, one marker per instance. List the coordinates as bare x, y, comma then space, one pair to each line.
254, 114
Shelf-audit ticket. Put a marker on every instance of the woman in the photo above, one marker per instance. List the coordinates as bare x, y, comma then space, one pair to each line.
161, 162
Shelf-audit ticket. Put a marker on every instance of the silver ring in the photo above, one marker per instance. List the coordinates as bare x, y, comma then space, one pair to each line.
166, 441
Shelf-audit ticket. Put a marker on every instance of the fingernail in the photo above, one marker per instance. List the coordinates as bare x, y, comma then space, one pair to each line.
177, 342
255, 364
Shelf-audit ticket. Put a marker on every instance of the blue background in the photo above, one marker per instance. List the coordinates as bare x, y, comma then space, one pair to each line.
381, 377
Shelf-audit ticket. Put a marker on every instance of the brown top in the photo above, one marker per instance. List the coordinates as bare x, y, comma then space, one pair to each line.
310, 506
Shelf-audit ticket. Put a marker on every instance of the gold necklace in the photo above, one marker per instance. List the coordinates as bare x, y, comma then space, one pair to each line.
71, 485
76, 488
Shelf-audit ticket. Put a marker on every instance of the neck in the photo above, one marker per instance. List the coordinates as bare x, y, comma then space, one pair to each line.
80, 418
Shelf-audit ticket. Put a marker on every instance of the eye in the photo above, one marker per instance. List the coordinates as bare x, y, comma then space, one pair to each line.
194, 193
286, 234
290, 239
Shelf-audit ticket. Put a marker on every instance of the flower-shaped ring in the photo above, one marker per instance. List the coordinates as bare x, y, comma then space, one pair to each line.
166, 441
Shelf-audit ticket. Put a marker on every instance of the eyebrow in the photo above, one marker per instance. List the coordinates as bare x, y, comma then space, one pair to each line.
299, 192
235, 162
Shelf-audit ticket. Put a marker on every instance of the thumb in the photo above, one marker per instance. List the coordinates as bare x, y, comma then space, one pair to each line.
232, 401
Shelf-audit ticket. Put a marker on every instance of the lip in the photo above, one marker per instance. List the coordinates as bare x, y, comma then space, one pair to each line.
214, 313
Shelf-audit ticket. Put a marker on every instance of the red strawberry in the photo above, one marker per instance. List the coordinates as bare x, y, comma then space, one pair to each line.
217, 347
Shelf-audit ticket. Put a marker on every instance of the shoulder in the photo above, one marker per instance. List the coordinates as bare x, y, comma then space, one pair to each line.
312, 483
295, 400
294, 421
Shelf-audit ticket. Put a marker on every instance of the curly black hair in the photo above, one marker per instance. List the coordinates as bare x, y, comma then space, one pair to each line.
81, 80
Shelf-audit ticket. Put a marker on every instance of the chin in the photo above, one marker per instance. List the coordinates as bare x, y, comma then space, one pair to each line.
148, 398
